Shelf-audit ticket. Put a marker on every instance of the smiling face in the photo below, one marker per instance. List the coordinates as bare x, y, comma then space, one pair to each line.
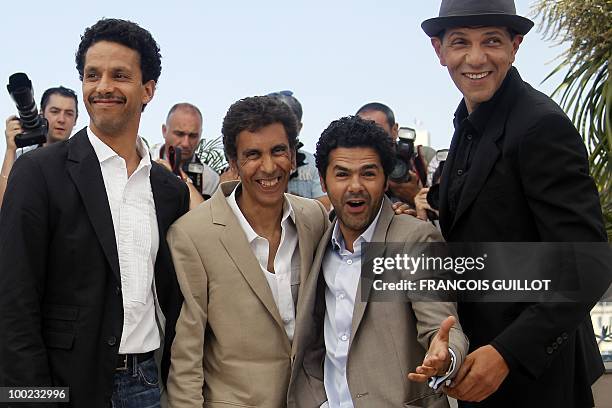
60, 111
355, 184
264, 162
113, 91
477, 59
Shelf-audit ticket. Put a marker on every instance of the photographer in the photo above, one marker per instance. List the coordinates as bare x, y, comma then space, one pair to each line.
427, 199
182, 132
383, 116
59, 106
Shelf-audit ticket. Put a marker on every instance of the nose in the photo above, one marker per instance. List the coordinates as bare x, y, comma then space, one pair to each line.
104, 85
267, 164
476, 56
355, 185
184, 143
61, 118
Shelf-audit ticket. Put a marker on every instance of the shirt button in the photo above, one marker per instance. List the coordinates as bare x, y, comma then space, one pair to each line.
118, 290
565, 336
112, 340
344, 337
559, 340
286, 320
469, 137
341, 296
549, 350
350, 262
459, 172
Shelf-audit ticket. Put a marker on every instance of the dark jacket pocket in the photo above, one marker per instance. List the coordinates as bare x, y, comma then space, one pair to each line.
58, 340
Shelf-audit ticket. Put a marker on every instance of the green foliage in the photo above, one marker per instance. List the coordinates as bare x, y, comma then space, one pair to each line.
586, 89
211, 153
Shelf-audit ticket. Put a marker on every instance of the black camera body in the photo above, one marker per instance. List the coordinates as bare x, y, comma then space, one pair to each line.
34, 126
193, 170
433, 195
404, 155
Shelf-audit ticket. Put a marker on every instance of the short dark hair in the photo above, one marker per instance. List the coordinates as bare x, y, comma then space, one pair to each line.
186, 107
379, 107
289, 99
62, 91
125, 33
352, 131
252, 114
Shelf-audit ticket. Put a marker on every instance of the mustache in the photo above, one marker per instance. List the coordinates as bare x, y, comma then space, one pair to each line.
107, 97
348, 197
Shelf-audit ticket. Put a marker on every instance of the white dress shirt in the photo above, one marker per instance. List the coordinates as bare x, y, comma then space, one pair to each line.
137, 237
285, 280
341, 270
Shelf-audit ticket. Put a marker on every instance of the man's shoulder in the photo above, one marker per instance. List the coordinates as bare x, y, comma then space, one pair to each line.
406, 228
309, 206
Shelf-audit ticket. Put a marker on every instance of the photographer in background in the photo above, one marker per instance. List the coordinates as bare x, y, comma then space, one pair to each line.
59, 106
182, 132
383, 116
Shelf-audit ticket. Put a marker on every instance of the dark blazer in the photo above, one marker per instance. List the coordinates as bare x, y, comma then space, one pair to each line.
61, 310
530, 182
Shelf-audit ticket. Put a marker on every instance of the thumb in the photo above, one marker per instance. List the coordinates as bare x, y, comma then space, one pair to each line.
445, 327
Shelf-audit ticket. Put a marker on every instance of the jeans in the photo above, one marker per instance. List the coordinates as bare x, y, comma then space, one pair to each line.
137, 387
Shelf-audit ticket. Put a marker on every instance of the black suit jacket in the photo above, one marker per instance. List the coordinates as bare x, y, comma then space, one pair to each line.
530, 182
61, 310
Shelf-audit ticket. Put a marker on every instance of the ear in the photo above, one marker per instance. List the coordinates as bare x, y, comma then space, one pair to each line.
233, 163
395, 131
164, 130
323, 187
516, 42
293, 160
437, 45
149, 91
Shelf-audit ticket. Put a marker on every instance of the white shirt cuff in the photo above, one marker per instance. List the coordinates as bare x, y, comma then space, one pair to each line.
436, 381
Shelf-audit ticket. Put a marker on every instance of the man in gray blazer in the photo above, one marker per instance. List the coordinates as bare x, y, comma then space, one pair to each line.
360, 354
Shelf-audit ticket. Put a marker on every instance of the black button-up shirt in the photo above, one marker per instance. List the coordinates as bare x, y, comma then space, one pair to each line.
468, 132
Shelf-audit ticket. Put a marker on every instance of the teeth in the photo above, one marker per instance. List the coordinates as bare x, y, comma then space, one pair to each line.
268, 183
477, 76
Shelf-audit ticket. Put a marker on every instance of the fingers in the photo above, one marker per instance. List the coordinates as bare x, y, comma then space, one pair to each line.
445, 327
463, 371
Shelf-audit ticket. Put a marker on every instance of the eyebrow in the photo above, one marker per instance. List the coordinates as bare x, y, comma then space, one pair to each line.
58, 108
362, 168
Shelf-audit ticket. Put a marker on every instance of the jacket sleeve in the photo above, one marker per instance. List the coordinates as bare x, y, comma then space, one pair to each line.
186, 376
565, 206
24, 238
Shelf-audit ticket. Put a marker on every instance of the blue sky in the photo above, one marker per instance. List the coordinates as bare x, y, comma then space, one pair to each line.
335, 56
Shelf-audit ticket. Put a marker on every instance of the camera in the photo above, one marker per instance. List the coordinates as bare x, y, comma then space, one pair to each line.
433, 195
404, 155
34, 125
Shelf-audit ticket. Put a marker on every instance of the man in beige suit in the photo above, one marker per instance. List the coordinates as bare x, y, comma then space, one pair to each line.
361, 354
240, 258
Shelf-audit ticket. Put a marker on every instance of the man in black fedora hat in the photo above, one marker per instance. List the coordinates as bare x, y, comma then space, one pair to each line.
517, 171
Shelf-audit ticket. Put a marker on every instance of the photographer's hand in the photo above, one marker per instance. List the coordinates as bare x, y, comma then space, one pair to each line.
406, 191
12, 129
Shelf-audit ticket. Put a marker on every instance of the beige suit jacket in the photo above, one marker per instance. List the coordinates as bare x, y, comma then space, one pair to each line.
231, 349
388, 339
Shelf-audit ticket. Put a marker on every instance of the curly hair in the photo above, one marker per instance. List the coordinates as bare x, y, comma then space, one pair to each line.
253, 114
352, 131
125, 33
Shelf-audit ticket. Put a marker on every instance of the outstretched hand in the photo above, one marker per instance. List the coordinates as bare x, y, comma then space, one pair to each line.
438, 359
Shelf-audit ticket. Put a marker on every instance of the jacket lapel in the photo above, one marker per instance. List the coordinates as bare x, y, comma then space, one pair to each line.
84, 169
239, 250
380, 235
487, 151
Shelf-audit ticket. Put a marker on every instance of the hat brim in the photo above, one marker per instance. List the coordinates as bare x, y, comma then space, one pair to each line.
434, 26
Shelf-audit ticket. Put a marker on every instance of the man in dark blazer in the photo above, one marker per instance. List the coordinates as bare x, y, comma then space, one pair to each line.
72, 244
516, 172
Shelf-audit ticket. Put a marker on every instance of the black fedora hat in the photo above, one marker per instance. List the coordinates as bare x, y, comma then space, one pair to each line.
468, 13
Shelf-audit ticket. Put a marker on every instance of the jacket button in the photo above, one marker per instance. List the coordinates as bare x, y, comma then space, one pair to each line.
459, 172
549, 350
559, 340
469, 137
112, 340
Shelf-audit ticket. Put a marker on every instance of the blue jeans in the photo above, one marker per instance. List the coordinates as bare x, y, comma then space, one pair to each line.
137, 387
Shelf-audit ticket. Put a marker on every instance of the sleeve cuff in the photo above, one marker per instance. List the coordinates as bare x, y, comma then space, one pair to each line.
435, 382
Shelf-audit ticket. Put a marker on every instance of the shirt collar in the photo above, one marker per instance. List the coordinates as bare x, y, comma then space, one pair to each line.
251, 235
337, 239
104, 152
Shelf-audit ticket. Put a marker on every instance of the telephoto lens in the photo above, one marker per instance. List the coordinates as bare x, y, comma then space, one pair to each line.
34, 126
